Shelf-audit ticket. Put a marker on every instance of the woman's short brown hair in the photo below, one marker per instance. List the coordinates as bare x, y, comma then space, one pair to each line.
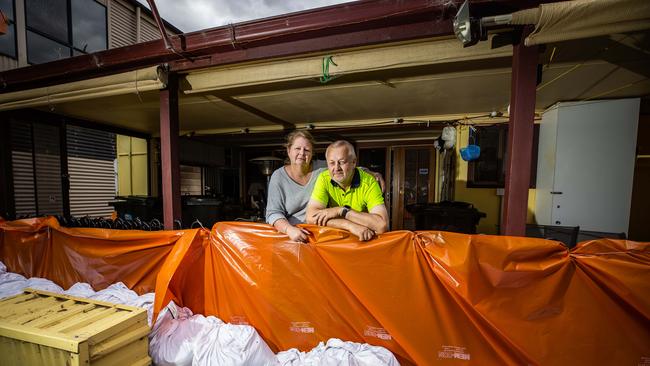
300, 133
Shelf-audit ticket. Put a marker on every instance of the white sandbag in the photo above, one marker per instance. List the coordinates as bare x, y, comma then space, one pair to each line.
144, 301
3, 268
231, 345
289, 357
80, 289
171, 341
338, 352
44, 284
116, 293
11, 284
361, 354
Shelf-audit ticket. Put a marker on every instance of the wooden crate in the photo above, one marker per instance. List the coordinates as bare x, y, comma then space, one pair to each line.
44, 328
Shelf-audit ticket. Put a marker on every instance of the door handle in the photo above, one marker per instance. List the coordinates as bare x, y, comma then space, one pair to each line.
555, 192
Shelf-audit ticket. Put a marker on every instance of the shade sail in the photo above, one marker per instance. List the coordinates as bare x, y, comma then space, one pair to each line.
346, 62
131, 82
430, 297
577, 19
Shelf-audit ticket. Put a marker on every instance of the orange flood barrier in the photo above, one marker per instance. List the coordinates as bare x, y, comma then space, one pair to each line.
430, 297
42, 248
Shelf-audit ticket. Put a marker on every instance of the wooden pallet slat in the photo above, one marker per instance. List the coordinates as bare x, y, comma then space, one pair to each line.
42, 327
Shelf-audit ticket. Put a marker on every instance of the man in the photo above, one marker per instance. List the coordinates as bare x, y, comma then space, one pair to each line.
347, 198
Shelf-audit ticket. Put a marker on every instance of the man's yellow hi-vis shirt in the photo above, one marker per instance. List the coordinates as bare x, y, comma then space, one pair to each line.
363, 195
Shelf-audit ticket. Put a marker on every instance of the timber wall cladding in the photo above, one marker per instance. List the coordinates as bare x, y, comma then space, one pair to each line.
122, 24
148, 30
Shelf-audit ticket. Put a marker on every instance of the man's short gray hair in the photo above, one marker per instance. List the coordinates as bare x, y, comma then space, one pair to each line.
340, 143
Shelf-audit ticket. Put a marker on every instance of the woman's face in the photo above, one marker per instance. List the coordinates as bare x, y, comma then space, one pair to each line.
300, 151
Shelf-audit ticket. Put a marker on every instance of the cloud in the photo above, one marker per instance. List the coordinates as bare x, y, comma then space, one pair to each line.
193, 15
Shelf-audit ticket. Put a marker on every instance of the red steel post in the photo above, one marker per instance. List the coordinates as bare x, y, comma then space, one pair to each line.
170, 169
520, 138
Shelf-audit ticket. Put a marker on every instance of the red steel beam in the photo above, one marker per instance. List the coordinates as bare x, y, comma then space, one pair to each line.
339, 26
223, 55
520, 137
171, 179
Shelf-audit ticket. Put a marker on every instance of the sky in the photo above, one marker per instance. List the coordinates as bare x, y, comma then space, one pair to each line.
193, 15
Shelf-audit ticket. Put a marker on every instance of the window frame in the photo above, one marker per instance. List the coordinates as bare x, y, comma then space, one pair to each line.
70, 41
13, 24
501, 159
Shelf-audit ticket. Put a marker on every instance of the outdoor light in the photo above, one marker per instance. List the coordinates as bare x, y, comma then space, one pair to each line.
470, 30
466, 29
266, 165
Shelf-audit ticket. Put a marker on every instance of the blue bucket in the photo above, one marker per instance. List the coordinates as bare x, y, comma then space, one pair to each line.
471, 152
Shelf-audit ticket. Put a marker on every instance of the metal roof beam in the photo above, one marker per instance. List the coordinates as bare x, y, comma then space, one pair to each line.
339, 26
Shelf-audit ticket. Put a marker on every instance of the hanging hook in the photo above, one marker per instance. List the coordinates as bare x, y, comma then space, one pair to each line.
327, 60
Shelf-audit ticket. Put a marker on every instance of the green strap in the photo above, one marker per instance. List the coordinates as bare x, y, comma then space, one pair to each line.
327, 60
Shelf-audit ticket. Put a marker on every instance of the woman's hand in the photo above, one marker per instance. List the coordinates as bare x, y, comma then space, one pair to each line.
297, 234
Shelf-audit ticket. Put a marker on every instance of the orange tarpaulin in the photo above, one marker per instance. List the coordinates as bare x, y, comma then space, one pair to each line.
430, 297
41, 248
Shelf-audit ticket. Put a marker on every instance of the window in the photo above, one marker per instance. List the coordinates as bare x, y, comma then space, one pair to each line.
489, 171
8, 40
88, 26
58, 29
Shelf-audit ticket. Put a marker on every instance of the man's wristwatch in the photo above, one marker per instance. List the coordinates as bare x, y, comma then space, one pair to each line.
345, 211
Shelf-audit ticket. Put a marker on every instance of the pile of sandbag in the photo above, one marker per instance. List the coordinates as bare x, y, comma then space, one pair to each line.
12, 284
180, 337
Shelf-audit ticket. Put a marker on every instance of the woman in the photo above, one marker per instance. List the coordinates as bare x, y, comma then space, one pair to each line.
290, 187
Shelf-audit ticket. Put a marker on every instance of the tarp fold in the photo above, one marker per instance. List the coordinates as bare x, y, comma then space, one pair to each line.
429, 297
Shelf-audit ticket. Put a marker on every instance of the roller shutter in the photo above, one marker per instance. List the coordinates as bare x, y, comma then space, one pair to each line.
36, 162
91, 168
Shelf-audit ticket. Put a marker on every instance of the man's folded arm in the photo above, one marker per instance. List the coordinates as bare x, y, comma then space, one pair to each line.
376, 220
314, 207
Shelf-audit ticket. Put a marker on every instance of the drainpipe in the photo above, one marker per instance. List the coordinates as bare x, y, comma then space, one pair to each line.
161, 27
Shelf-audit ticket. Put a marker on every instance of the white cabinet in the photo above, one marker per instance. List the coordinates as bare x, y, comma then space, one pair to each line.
585, 165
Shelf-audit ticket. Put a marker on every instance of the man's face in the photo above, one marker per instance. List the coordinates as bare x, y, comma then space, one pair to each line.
341, 165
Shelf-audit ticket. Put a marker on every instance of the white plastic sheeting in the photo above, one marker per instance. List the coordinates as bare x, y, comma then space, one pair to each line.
180, 337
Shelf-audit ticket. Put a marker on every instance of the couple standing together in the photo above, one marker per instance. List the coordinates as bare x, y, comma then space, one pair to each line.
341, 196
